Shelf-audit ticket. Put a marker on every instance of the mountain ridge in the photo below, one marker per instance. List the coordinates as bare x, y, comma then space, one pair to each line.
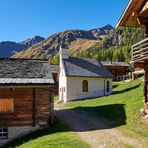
75, 39
8, 48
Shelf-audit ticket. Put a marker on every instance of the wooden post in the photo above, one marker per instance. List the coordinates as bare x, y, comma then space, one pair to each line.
123, 78
33, 108
146, 90
51, 107
146, 30
146, 79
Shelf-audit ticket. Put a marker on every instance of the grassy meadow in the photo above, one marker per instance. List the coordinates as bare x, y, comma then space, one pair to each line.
121, 108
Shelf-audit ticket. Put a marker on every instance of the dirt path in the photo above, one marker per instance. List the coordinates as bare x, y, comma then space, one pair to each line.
94, 131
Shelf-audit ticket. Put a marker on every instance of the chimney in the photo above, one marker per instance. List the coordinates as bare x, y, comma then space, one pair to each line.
64, 53
50, 59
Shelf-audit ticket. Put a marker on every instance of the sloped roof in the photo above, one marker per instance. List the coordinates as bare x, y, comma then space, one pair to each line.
54, 68
128, 18
105, 63
23, 71
85, 67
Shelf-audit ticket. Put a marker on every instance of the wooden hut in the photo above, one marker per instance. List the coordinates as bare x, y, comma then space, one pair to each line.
118, 69
136, 15
26, 96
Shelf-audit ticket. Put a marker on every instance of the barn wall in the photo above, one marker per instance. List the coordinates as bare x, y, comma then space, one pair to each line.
23, 106
20, 121
117, 70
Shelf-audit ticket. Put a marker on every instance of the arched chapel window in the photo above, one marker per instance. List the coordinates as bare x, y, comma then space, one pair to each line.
84, 86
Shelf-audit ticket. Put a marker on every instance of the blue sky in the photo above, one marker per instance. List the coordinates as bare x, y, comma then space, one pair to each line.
21, 19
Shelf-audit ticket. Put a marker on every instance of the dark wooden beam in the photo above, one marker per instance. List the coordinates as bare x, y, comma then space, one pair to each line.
143, 65
141, 7
33, 108
146, 30
142, 20
146, 90
51, 107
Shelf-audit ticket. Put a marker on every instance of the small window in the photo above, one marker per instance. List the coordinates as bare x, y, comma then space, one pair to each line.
64, 89
108, 86
3, 133
6, 105
84, 86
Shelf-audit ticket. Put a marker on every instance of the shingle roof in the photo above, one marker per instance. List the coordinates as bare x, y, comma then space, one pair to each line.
85, 67
115, 64
54, 68
16, 71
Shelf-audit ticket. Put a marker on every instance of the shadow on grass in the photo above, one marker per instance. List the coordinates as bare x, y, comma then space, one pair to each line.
115, 85
112, 115
106, 117
55, 128
126, 90
115, 113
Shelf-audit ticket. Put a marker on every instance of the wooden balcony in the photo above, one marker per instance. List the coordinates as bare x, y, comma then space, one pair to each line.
140, 51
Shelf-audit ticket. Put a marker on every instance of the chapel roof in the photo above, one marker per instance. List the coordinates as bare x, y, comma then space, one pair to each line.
85, 67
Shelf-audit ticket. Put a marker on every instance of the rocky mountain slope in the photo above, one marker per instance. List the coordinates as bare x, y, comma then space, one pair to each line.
77, 40
8, 48
116, 46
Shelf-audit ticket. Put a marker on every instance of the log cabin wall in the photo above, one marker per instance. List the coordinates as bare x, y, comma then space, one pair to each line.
117, 70
31, 106
44, 105
56, 80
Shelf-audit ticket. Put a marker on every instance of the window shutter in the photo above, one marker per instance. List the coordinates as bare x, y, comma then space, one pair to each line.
6, 105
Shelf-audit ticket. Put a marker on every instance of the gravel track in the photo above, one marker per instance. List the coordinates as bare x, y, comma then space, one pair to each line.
94, 131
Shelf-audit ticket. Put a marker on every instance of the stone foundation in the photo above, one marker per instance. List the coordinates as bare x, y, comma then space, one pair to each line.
14, 132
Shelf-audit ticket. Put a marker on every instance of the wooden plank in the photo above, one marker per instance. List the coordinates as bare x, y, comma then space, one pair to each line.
23, 106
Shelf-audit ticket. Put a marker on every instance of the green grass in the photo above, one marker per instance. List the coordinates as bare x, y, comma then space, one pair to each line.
121, 108
56, 98
57, 136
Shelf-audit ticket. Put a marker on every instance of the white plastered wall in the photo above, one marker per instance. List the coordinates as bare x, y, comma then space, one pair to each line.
70, 88
96, 88
62, 86
14, 132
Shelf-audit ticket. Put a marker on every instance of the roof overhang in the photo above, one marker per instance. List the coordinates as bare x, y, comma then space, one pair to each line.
135, 14
26, 82
27, 86
104, 77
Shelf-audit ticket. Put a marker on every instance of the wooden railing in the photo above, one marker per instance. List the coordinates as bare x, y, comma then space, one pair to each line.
140, 51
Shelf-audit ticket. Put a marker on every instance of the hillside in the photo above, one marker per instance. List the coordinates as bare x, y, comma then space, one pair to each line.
116, 46
75, 39
8, 48
106, 44
121, 109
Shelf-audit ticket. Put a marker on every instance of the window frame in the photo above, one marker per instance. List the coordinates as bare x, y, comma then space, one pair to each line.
107, 86
85, 86
64, 89
12, 110
2, 132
